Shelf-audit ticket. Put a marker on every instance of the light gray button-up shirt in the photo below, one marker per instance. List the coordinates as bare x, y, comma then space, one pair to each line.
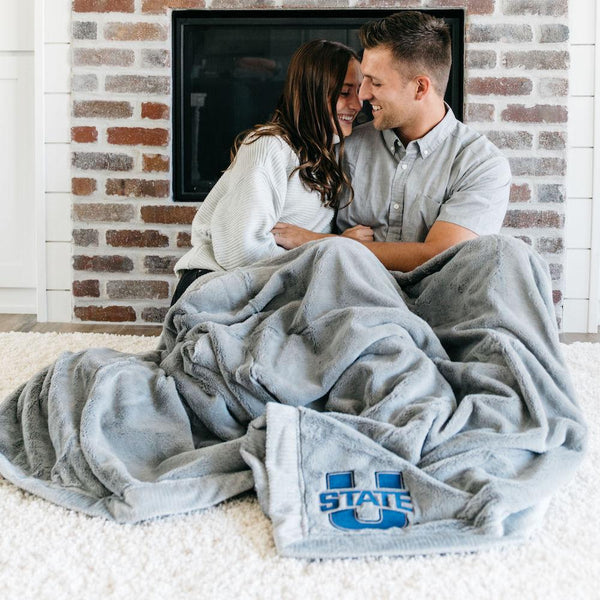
451, 174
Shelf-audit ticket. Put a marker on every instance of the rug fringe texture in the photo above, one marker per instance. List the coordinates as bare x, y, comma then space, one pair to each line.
227, 551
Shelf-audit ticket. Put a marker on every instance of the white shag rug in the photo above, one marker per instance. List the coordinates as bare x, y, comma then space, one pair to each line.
227, 551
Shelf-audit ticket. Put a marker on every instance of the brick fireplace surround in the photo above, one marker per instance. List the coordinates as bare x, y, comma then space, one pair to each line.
128, 233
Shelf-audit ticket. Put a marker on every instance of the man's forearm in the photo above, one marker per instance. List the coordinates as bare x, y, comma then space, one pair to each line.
402, 256
406, 256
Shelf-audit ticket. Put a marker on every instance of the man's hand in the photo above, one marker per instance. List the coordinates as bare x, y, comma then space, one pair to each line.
360, 233
291, 236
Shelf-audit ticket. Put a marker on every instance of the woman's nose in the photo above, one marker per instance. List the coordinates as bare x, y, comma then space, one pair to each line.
356, 102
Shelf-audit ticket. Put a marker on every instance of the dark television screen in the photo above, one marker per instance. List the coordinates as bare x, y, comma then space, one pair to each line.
228, 72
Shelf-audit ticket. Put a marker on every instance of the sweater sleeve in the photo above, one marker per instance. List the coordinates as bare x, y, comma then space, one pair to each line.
241, 223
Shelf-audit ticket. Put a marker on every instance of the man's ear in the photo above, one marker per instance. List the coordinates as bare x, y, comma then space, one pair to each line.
423, 86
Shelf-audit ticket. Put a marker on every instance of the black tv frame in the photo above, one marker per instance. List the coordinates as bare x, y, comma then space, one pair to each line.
455, 17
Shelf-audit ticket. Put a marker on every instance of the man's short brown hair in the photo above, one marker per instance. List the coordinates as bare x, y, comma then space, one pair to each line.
417, 40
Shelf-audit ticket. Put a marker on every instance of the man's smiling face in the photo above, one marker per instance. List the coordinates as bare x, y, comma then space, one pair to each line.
390, 93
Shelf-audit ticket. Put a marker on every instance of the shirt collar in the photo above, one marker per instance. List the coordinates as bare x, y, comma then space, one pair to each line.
390, 139
430, 141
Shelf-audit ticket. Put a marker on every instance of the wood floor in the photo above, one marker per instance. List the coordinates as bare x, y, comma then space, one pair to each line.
11, 322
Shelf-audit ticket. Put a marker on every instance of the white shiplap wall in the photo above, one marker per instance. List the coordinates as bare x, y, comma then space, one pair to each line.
57, 136
582, 210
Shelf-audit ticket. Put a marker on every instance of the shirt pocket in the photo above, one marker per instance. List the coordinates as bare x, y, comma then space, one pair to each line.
420, 216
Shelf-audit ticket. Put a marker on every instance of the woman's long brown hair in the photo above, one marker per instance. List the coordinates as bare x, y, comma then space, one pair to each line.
303, 117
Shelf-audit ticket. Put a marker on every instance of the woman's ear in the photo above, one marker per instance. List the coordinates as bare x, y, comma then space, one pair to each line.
423, 86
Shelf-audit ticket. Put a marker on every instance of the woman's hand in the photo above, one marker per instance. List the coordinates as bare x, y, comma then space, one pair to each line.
291, 236
360, 233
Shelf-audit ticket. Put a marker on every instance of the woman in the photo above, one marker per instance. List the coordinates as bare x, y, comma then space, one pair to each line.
286, 170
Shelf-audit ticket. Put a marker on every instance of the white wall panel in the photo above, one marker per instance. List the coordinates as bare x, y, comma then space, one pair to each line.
581, 121
60, 306
58, 118
58, 68
580, 231
58, 265
17, 300
58, 168
58, 223
58, 21
581, 77
577, 226
57, 151
579, 172
16, 32
577, 273
575, 316
17, 222
581, 21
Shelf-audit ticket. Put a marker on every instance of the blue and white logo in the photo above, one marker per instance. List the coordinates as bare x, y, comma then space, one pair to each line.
389, 502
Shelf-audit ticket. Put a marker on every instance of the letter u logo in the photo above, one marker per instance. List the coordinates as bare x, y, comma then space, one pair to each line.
348, 519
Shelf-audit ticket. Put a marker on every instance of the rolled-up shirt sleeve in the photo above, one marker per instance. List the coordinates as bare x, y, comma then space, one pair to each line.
479, 197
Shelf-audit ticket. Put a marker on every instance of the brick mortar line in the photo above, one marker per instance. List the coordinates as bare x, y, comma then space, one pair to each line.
141, 253
137, 65
103, 250
101, 44
115, 70
102, 18
121, 122
104, 276
104, 227
108, 249
104, 97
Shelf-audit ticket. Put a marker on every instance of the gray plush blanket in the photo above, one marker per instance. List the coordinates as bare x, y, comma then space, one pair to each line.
427, 412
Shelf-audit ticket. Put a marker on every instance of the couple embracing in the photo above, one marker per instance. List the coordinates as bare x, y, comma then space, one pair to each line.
408, 185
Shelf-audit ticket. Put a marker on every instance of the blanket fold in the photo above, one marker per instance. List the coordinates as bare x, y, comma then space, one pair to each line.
373, 413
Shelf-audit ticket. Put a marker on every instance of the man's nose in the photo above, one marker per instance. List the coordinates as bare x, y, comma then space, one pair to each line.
364, 91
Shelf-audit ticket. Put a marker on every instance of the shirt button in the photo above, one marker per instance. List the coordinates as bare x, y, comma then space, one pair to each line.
425, 152
403, 166
396, 206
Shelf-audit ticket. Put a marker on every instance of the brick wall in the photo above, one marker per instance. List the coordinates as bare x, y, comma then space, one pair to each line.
128, 233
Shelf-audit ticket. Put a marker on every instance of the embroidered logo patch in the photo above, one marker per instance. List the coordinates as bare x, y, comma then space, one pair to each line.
388, 505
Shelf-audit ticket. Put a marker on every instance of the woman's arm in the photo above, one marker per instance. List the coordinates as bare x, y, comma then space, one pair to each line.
240, 226
291, 236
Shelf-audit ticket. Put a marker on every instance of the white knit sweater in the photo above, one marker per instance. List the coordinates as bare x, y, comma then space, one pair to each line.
233, 225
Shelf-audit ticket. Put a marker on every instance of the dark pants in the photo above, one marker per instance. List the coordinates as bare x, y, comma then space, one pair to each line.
187, 278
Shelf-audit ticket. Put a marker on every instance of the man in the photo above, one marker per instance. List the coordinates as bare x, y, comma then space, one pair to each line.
422, 180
